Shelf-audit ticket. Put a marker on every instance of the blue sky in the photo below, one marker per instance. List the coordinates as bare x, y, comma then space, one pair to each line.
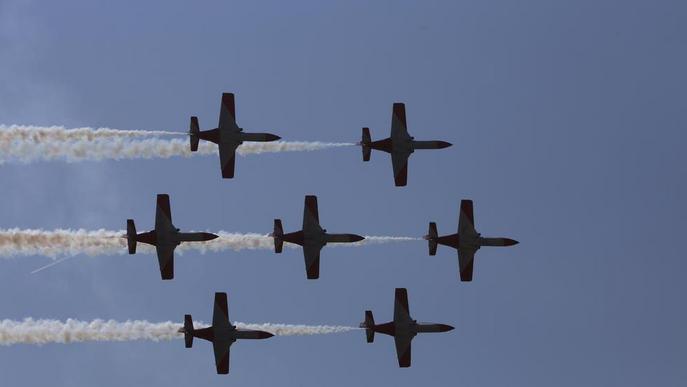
568, 125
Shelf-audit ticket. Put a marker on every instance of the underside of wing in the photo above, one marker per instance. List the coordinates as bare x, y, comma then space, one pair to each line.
403, 351
466, 260
163, 212
221, 350
227, 159
311, 215
399, 129
466, 218
165, 258
220, 312
401, 309
399, 162
227, 112
312, 261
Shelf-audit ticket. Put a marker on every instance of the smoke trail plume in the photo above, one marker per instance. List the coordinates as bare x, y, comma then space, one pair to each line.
64, 242
30, 331
296, 330
38, 134
125, 148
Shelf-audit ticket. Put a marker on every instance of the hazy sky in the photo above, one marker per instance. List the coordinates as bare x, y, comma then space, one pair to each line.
568, 125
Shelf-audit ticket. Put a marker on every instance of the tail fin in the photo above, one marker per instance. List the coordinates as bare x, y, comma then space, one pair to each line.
431, 237
365, 143
194, 131
369, 326
131, 236
188, 331
277, 234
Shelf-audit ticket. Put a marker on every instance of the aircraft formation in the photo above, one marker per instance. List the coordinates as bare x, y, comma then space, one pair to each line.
312, 237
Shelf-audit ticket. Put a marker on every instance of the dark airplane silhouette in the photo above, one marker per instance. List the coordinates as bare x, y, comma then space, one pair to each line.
165, 237
222, 334
466, 241
400, 145
403, 328
312, 237
228, 135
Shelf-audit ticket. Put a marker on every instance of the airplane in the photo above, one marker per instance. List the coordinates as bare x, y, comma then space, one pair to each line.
400, 145
312, 237
228, 136
222, 334
165, 237
403, 328
466, 241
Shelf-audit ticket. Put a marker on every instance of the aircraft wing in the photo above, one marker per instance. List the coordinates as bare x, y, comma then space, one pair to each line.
399, 161
220, 312
399, 130
312, 261
221, 349
466, 259
227, 113
401, 309
165, 257
466, 218
403, 350
163, 213
227, 158
311, 215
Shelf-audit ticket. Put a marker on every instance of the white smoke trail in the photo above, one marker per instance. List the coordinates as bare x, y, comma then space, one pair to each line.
38, 134
124, 148
296, 330
30, 331
64, 242
56, 243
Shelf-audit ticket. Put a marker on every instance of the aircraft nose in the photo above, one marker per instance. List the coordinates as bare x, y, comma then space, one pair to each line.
443, 144
446, 328
209, 236
265, 335
356, 238
510, 242
272, 137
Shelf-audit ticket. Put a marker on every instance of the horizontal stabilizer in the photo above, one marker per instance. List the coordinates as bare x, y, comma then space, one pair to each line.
131, 236
278, 234
431, 237
188, 331
365, 144
369, 326
194, 132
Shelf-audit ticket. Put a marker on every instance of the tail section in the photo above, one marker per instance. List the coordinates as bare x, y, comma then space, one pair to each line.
278, 234
188, 331
369, 325
131, 236
432, 236
365, 143
193, 133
